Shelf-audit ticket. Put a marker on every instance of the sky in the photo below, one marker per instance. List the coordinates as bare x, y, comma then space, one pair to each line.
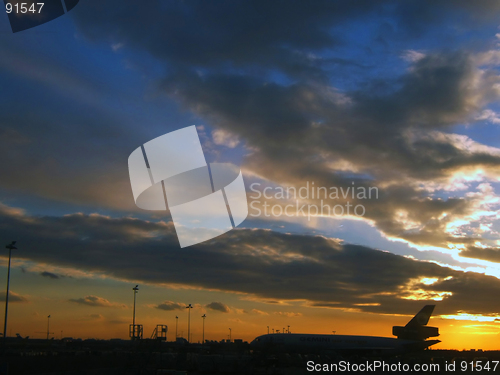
387, 109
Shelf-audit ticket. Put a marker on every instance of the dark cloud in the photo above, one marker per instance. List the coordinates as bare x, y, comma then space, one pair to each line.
97, 302
299, 132
170, 306
245, 34
13, 297
379, 135
259, 35
218, 306
492, 254
392, 131
50, 275
262, 264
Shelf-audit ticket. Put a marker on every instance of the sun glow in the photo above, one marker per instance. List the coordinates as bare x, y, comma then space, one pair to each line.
473, 317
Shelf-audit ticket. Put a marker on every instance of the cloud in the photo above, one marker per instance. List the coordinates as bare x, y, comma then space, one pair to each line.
220, 137
13, 297
394, 138
245, 34
288, 314
301, 128
260, 34
170, 306
489, 115
218, 306
97, 302
50, 275
258, 312
412, 55
488, 253
270, 266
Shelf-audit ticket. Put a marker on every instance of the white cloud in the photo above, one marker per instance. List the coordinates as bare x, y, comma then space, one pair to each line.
412, 55
489, 115
223, 138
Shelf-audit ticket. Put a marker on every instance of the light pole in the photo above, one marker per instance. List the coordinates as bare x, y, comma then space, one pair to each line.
288, 329
11, 247
203, 335
176, 325
48, 326
229, 334
189, 307
268, 330
135, 289
203, 339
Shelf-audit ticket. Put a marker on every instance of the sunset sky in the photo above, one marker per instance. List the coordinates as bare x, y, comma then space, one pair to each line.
399, 97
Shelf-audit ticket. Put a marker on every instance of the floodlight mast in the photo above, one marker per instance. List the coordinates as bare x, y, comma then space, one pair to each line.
203, 336
48, 326
135, 289
11, 246
189, 307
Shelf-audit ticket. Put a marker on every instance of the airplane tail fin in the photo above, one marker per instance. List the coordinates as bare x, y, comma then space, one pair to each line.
416, 328
422, 317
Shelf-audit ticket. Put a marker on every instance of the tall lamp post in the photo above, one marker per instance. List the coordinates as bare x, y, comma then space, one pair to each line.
135, 289
176, 325
203, 339
229, 334
48, 326
11, 246
189, 307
